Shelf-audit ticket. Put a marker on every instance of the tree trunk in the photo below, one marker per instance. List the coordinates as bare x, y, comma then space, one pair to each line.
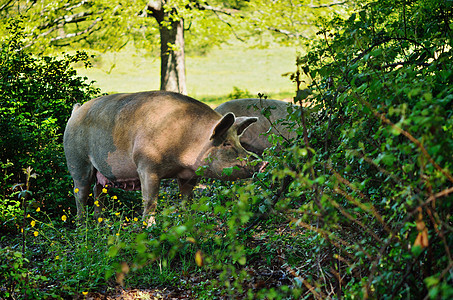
173, 70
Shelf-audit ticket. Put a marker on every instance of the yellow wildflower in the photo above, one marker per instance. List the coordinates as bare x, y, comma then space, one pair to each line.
117, 234
63, 218
199, 258
135, 219
57, 257
76, 190
96, 203
114, 197
85, 293
33, 223
117, 214
100, 220
35, 233
104, 190
127, 219
38, 209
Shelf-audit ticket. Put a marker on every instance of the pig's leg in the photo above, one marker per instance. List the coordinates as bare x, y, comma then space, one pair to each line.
186, 187
83, 177
150, 183
98, 203
81, 191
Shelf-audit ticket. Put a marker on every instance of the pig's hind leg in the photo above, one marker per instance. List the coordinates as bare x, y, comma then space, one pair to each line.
101, 182
98, 201
150, 183
82, 173
82, 188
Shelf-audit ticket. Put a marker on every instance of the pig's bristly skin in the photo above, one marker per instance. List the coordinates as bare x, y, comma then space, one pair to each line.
132, 141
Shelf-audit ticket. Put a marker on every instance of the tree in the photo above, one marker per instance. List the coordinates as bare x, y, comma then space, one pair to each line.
109, 25
172, 55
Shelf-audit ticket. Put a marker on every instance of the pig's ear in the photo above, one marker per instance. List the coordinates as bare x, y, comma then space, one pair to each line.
224, 124
242, 123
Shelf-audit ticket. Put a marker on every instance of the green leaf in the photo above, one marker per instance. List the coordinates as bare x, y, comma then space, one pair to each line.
416, 250
242, 260
113, 251
180, 229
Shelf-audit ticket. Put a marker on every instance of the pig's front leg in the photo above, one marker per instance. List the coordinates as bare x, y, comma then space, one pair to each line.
81, 190
186, 187
150, 183
98, 203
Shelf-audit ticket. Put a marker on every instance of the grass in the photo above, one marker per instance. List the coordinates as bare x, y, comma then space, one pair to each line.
211, 76
93, 259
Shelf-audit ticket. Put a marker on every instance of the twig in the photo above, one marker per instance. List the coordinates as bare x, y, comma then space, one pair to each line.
324, 5
437, 195
263, 216
71, 35
444, 272
229, 25
372, 210
383, 41
268, 118
6, 4
403, 63
325, 233
310, 288
351, 218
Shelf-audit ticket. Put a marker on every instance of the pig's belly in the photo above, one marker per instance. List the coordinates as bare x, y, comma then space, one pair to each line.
118, 171
128, 184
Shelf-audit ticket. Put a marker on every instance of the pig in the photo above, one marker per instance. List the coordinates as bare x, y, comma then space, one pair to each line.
254, 139
133, 141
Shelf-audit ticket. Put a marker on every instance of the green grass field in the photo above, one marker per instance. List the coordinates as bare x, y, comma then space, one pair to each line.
210, 78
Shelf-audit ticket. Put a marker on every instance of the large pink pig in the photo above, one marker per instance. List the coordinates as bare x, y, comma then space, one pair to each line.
133, 141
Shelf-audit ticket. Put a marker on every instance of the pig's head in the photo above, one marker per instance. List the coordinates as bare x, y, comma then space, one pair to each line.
224, 157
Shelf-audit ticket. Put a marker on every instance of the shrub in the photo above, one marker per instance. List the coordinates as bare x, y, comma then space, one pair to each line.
376, 169
17, 281
36, 98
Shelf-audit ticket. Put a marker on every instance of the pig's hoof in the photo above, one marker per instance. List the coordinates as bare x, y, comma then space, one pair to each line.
150, 221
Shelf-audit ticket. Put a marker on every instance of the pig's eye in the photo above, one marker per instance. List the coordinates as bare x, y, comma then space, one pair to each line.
227, 144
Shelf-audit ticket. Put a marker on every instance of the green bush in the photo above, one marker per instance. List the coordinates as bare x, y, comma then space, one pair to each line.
17, 280
376, 171
36, 99
60, 261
